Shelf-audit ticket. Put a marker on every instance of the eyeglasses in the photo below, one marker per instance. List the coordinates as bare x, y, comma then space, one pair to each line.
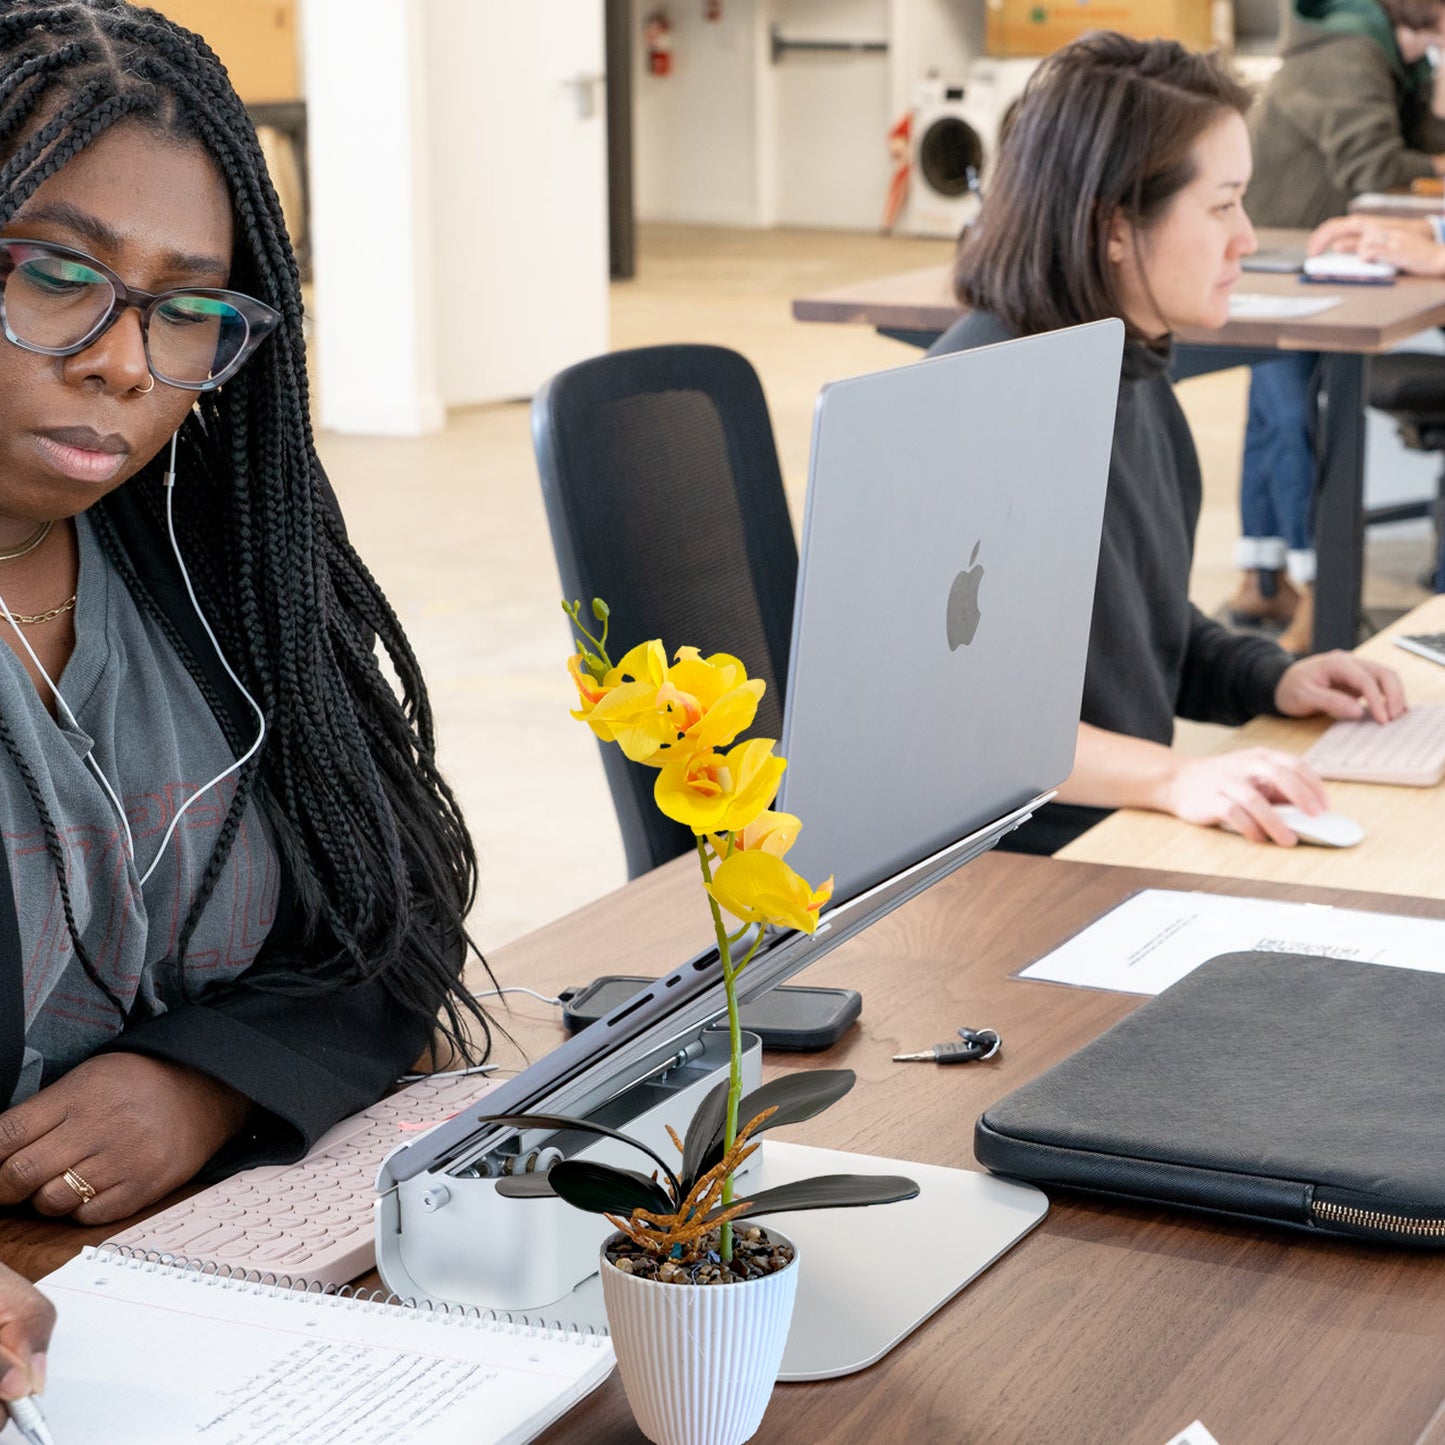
57, 301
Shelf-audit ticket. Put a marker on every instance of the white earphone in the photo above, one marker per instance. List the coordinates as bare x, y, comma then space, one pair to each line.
69, 717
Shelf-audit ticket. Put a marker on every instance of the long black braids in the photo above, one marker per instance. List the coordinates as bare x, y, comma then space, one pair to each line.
368, 830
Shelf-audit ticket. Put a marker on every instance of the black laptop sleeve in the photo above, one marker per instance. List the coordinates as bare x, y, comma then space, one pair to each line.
1302, 1091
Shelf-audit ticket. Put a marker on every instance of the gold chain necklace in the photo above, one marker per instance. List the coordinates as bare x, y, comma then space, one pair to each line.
29, 544
33, 617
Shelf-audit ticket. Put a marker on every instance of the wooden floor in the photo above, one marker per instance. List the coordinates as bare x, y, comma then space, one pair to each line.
453, 526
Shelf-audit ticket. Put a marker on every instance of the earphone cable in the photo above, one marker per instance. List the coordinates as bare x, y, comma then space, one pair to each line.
70, 719
170, 482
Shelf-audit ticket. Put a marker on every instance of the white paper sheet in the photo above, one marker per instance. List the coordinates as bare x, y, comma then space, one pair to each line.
1251, 306
1156, 937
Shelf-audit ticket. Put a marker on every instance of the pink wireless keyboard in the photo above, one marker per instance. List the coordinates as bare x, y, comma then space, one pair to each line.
1409, 751
311, 1219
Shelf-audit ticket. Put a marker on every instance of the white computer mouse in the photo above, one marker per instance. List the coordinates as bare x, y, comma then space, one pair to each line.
1330, 830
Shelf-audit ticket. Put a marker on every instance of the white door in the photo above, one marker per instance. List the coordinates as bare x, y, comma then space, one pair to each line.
832, 115
519, 186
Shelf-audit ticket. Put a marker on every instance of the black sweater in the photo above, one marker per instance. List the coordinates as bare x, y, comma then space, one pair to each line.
1153, 656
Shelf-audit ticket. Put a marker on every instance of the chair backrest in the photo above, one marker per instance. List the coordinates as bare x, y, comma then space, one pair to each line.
1410, 385
664, 497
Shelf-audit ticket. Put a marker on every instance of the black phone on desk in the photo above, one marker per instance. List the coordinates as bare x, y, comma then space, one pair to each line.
785, 1017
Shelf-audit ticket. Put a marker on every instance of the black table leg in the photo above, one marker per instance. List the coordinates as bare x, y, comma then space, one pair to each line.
1340, 502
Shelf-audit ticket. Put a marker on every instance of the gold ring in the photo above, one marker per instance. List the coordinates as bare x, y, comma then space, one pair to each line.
86, 1191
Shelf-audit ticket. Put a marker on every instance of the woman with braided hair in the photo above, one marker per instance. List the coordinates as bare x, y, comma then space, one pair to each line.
232, 882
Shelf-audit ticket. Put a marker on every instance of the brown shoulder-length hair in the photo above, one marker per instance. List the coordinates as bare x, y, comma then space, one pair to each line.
1107, 126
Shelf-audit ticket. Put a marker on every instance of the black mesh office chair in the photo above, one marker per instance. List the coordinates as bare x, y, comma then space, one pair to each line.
664, 497
1410, 385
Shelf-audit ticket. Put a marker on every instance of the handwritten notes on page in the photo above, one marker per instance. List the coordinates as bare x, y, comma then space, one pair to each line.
146, 1354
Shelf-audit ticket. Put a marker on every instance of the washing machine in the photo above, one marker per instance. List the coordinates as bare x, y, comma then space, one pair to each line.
953, 142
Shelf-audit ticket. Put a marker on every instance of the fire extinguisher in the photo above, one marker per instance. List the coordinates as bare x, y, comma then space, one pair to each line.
657, 37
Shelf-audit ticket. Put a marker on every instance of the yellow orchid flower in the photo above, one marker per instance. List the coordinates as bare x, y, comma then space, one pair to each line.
720, 792
623, 708
769, 832
759, 887
711, 699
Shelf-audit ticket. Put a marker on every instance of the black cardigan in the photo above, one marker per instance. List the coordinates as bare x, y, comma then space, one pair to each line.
306, 1061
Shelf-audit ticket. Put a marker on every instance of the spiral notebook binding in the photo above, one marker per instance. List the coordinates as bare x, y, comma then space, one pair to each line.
226, 1276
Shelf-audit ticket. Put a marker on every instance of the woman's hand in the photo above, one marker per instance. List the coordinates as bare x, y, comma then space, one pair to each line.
1236, 790
1340, 685
128, 1128
26, 1320
1408, 245
1232, 790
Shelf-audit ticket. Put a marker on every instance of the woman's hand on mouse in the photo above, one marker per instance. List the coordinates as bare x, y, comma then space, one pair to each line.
127, 1129
1340, 685
1238, 790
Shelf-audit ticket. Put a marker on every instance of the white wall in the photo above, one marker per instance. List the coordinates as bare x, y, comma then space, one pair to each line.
729, 138
697, 129
932, 37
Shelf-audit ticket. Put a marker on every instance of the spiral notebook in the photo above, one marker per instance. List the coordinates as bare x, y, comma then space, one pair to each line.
147, 1353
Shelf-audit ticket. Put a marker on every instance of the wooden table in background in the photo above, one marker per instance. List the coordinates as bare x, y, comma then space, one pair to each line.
1110, 1324
1404, 845
916, 306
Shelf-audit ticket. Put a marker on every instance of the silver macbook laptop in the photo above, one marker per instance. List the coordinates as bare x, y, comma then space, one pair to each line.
951, 541
947, 578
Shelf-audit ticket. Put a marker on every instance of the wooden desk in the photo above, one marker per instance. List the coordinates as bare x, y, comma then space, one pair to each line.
917, 306
1404, 846
1108, 1324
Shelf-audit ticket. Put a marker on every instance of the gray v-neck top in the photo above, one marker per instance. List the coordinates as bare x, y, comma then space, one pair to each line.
144, 724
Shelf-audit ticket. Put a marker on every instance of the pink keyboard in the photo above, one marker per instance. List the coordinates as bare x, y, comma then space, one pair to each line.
313, 1218
1409, 751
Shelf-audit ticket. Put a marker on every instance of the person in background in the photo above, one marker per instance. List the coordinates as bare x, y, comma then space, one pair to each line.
1120, 193
233, 884
1349, 110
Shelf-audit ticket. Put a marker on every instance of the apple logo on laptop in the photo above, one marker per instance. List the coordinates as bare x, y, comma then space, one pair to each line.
963, 613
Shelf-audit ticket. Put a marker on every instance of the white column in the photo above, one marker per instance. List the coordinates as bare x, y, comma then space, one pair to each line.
371, 216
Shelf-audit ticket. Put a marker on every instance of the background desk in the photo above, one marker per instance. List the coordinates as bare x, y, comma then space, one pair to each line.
1404, 846
917, 306
1108, 1324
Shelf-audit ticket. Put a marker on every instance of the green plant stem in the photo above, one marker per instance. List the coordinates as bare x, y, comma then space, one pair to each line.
735, 1037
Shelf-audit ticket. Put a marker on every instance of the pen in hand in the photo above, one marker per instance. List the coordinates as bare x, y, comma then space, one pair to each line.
29, 1421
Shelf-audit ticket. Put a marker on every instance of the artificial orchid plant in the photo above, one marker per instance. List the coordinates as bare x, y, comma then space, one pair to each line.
678, 717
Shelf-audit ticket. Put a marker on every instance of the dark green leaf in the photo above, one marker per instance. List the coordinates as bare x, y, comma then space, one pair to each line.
796, 1096
586, 1126
705, 1132
829, 1191
533, 1185
601, 1189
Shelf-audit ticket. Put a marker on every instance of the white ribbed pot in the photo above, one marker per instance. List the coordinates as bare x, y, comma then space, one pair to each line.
699, 1362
